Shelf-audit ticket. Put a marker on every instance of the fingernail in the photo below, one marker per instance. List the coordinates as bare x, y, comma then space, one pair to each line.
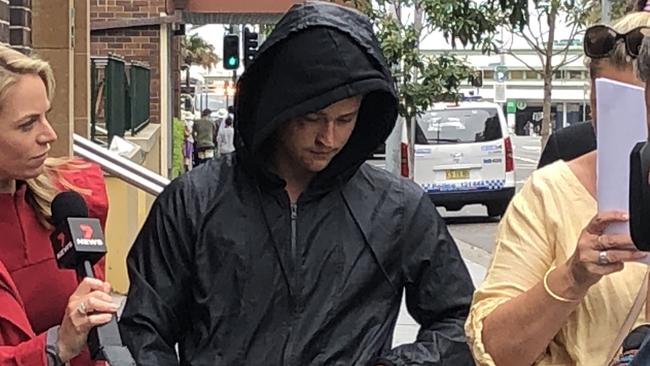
640, 255
625, 216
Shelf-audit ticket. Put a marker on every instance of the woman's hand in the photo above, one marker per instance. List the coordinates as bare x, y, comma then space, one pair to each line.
599, 254
89, 306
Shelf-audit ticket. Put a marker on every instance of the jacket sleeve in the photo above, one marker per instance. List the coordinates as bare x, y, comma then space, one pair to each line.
18, 344
27, 353
550, 153
159, 268
438, 293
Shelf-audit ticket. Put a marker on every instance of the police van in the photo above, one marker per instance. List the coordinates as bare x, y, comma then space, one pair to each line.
463, 155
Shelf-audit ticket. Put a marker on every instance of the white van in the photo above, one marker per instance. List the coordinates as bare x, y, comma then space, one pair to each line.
463, 155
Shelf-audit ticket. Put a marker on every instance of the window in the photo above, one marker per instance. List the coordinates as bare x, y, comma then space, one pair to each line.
488, 75
517, 75
575, 75
531, 75
458, 126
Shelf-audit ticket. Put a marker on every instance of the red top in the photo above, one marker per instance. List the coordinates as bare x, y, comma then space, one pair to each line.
26, 252
18, 344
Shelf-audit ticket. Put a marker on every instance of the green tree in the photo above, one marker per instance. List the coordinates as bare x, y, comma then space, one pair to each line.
196, 51
422, 80
540, 35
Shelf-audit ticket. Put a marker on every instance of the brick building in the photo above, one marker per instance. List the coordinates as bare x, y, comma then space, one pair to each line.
16, 23
19, 25
145, 31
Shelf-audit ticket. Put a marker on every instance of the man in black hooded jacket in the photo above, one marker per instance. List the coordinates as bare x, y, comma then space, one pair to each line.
296, 252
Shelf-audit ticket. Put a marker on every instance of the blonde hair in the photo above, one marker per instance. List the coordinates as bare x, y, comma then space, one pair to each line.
619, 58
41, 189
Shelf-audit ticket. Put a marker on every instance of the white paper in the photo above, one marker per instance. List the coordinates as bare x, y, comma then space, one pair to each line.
621, 124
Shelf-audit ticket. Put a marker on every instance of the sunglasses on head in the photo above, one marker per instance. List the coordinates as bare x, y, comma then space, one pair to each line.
601, 40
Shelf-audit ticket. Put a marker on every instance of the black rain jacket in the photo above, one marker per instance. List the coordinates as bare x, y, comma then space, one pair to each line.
227, 268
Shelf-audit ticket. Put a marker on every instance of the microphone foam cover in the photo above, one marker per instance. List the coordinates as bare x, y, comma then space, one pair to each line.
68, 204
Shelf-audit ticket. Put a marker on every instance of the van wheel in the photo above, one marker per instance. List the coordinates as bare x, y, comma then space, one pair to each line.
497, 209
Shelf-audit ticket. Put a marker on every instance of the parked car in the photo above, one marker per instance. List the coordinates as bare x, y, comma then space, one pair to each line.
463, 155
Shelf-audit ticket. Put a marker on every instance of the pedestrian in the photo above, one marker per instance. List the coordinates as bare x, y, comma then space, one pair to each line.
204, 132
45, 315
296, 252
573, 141
188, 145
225, 139
559, 288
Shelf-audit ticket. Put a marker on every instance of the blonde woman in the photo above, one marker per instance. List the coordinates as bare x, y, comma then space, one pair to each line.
558, 289
45, 316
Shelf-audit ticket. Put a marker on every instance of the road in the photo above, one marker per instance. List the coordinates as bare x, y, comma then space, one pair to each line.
471, 224
474, 231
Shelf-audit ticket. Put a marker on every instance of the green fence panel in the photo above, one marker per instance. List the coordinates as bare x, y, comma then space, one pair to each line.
115, 84
139, 80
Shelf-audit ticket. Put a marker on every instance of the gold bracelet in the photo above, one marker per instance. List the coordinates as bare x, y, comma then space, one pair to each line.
553, 294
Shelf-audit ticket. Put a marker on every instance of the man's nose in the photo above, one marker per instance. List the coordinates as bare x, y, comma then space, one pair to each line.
326, 133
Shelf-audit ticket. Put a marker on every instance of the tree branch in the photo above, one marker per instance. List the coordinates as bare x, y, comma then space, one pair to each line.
572, 34
531, 68
539, 50
539, 22
565, 61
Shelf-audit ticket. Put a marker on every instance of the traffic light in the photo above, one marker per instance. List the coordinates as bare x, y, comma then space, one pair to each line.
250, 46
231, 52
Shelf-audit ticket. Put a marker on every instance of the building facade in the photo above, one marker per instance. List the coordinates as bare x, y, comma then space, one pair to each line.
524, 87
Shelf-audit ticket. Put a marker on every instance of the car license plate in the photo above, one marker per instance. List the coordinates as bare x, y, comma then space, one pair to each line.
458, 174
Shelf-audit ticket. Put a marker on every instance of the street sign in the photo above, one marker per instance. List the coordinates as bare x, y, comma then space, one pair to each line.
501, 74
511, 107
499, 92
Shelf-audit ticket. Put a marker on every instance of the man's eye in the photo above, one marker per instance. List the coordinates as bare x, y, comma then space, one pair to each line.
311, 118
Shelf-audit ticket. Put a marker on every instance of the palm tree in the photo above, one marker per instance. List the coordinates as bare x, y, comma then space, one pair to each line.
196, 51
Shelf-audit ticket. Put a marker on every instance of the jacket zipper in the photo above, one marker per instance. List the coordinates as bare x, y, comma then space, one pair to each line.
289, 357
295, 256
294, 217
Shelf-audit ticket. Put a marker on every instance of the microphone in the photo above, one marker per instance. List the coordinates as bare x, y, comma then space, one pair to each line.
78, 240
78, 243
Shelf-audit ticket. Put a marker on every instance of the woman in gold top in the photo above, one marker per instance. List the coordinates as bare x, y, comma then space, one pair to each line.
558, 289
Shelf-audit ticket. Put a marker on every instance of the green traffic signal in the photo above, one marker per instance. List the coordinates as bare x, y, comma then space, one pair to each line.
230, 52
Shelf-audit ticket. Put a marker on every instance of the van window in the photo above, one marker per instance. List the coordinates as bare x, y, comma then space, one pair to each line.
458, 126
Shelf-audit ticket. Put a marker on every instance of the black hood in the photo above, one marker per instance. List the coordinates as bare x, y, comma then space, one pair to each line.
318, 54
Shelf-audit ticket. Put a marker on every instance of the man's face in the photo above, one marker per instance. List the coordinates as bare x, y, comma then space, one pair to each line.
311, 141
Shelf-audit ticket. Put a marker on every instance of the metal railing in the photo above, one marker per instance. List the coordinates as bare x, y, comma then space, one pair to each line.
121, 167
